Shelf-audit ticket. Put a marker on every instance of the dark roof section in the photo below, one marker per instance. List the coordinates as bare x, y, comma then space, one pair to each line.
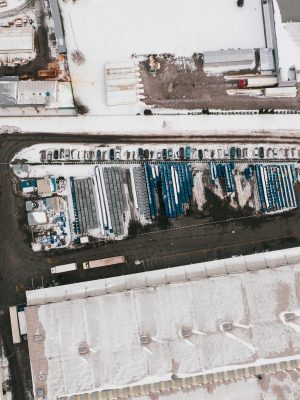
58, 27
8, 93
290, 10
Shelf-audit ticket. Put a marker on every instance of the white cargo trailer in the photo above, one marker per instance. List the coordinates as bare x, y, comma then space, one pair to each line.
63, 268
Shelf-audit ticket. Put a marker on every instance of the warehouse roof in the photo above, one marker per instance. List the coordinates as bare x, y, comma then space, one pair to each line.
58, 27
143, 328
16, 40
37, 92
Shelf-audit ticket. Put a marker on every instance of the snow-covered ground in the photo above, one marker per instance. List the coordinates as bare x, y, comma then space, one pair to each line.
196, 125
4, 375
110, 326
117, 30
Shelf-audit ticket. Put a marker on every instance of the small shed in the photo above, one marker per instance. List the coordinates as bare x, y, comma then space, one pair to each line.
229, 57
267, 62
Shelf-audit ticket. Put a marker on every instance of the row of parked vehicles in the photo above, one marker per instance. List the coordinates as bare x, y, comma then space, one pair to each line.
181, 153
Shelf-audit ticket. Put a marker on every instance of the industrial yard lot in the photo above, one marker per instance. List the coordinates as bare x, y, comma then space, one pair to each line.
149, 172
192, 240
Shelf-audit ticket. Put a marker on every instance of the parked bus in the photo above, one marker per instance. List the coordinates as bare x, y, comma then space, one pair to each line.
104, 262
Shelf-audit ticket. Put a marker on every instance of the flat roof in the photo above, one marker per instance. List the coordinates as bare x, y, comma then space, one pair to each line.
16, 40
8, 93
93, 332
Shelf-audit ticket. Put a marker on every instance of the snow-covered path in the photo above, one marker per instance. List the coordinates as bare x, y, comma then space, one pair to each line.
155, 125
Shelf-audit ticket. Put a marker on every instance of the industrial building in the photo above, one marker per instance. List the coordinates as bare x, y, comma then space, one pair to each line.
17, 45
235, 58
163, 330
28, 93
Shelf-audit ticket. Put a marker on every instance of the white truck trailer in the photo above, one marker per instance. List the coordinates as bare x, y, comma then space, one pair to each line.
63, 268
104, 262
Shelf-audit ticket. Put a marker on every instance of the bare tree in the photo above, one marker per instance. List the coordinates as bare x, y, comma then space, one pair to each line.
78, 57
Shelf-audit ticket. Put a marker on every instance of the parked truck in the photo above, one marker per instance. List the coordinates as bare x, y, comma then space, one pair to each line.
104, 262
63, 268
257, 82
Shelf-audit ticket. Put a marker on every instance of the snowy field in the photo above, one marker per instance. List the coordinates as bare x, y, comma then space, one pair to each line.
110, 327
115, 30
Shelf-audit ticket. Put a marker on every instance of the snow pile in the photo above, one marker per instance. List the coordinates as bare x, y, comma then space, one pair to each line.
4, 375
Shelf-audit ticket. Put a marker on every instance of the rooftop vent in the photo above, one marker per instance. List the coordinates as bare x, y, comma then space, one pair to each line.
289, 317
40, 393
186, 333
42, 376
144, 340
38, 338
83, 349
227, 326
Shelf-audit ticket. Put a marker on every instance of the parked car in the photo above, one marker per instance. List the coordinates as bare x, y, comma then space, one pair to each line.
240, 3
200, 154
55, 154
140, 153
98, 155
146, 154
67, 154
49, 156
164, 154
255, 152
181, 153
238, 152
158, 155
261, 152
75, 154
118, 154
275, 152
61, 153
170, 153
188, 152
112, 154
43, 155
245, 152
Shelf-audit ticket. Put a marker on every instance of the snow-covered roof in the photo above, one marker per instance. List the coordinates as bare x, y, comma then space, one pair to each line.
14, 40
37, 92
93, 333
8, 93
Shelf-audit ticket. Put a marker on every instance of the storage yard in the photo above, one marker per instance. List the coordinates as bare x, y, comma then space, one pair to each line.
160, 73
87, 199
190, 239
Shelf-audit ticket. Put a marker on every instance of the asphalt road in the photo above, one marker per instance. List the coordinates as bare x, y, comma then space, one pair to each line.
20, 267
